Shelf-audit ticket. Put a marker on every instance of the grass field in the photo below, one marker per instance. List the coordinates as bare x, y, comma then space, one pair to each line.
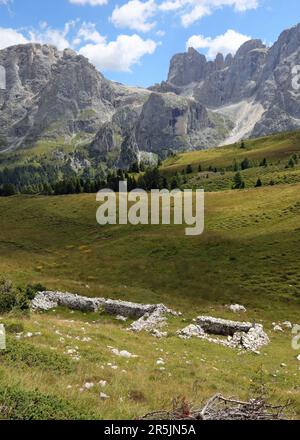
248, 254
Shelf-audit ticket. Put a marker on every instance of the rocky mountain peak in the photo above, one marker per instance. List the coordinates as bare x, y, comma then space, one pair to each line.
248, 46
54, 95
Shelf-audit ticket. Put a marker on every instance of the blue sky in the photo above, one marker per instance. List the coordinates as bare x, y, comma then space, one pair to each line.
132, 41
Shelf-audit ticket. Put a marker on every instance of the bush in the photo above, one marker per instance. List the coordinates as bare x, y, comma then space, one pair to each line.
8, 296
26, 354
16, 298
14, 327
20, 404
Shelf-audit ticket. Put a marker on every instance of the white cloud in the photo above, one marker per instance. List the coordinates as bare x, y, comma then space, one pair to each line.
89, 2
229, 42
48, 35
195, 14
88, 32
160, 33
193, 10
119, 55
11, 37
135, 15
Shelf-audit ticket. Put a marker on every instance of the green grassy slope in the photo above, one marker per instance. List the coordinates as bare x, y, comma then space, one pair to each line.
217, 165
248, 254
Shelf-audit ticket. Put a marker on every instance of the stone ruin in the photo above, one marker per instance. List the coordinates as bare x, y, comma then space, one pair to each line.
153, 317
233, 334
149, 317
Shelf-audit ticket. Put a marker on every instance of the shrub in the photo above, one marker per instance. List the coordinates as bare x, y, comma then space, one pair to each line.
8, 296
26, 354
16, 298
19, 404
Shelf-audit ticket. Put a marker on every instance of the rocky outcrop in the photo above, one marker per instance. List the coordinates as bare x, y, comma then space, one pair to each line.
168, 121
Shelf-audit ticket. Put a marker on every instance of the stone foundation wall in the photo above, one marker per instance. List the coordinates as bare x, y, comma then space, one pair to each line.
222, 327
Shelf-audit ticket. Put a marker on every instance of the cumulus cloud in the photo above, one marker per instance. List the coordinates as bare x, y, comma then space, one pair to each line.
11, 37
193, 10
140, 15
89, 2
229, 42
119, 55
135, 15
89, 33
56, 37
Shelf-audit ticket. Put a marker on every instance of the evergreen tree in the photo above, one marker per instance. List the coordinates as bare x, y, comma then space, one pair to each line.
245, 164
189, 169
238, 182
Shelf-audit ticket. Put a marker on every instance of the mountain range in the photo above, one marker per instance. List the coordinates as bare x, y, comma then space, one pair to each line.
59, 96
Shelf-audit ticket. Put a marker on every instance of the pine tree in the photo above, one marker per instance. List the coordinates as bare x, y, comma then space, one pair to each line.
258, 183
238, 182
189, 169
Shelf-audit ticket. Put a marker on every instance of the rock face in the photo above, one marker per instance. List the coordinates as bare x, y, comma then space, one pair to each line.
59, 96
257, 77
50, 94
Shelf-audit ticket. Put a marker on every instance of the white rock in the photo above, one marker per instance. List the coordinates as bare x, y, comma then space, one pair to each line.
287, 324
277, 328
237, 308
103, 383
157, 334
104, 396
121, 318
88, 385
122, 353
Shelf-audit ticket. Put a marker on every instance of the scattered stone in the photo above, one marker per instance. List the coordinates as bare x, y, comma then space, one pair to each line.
121, 318
237, 308
103, 383
277, 328
88, 385
298, 357
190, 331
104, 396
160, 362
122, 353
155, 320
159, 335
287, 324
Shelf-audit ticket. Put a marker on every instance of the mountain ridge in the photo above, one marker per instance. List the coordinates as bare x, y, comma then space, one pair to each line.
55, 94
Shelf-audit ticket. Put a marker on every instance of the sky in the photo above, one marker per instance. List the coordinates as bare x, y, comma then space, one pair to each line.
132, 41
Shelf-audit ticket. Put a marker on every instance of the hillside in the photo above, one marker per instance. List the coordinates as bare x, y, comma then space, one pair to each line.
248, 254
272, 159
